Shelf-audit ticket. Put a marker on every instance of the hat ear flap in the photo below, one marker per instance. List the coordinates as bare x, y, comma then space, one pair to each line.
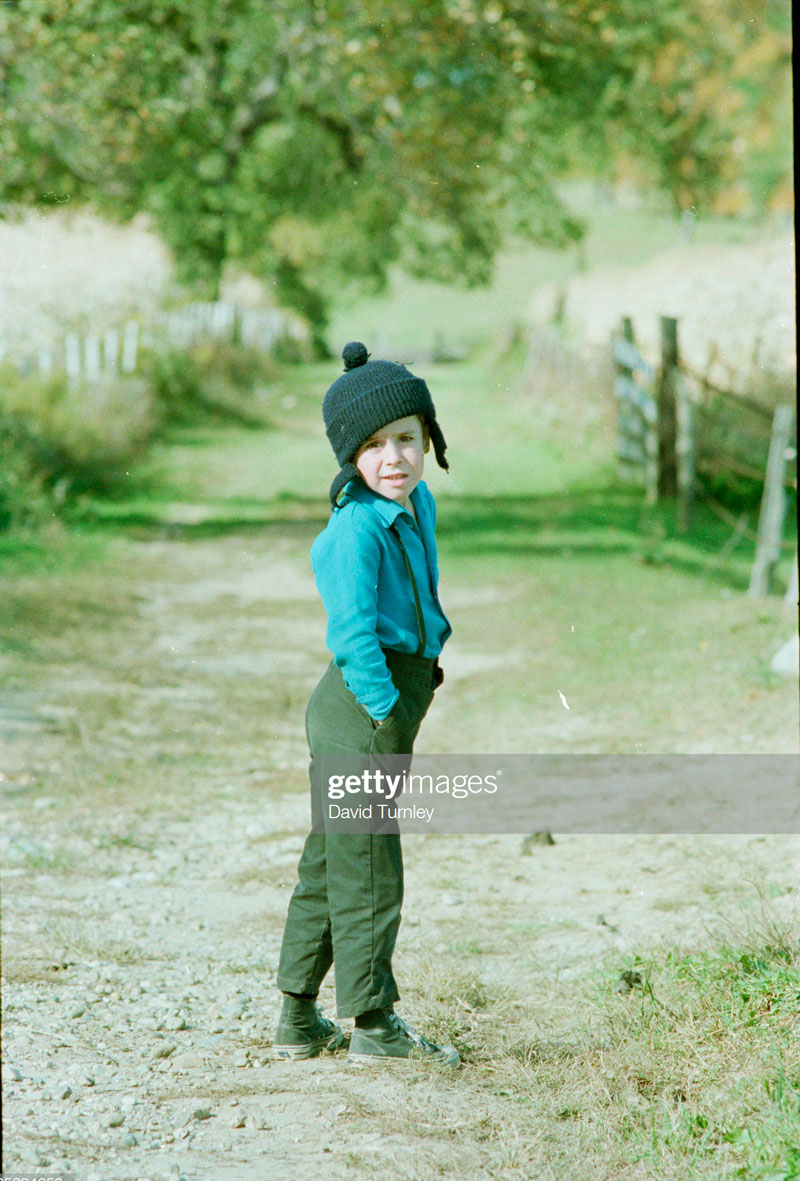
439, 444
348, 472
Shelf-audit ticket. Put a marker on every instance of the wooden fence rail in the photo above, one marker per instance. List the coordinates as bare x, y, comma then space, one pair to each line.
637, 413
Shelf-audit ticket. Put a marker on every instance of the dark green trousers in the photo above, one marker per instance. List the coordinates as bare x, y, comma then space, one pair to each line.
345, 909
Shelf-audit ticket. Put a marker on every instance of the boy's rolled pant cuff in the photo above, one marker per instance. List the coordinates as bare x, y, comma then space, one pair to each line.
378, 1000
347, 1007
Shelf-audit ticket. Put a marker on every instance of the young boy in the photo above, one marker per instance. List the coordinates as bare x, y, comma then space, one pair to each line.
375, 567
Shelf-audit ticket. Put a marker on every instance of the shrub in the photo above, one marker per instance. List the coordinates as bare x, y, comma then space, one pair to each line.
213, 379
22, 498
69, 437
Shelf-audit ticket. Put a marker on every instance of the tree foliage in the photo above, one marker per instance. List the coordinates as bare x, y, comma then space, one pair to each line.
313, 141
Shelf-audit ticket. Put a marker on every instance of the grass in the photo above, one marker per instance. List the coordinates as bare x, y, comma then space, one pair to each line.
695, 1073
701, 1069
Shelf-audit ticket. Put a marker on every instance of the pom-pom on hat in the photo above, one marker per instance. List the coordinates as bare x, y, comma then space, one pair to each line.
367, 396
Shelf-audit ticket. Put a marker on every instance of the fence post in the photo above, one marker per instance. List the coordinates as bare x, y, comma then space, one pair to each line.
111, 350
668, 377
91, 356
684, 453
130, 346
72, 356
773, 504
791, 596
624, 371
651, 468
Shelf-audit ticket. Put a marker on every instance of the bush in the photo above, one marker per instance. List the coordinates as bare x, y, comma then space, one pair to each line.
22, 498
174, 385
64, 437
214, 380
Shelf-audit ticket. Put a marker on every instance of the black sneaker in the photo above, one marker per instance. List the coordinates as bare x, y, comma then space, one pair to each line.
390, 1040
303, 1032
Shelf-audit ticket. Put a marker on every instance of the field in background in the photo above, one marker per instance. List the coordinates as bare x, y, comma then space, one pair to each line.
74, 271
414, 317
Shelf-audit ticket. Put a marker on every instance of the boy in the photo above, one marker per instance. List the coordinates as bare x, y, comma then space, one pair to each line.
375, 567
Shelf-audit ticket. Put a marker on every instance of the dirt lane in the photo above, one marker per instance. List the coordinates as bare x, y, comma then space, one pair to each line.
153, 807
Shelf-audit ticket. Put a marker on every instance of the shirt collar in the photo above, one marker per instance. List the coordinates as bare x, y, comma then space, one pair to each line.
386, 510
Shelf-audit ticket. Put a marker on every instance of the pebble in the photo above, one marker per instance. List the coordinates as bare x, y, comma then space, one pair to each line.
64, 1091
116, 1120
187, 1061
213, 1040
241, 1060
201, 1113
165, 1050
238, 1120
129, 1140
78, 1011
11, 1074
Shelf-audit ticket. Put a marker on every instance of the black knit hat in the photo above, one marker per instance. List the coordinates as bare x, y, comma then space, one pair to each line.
367, 396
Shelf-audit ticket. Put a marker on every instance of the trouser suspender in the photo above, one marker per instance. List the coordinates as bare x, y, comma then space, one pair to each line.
414, 587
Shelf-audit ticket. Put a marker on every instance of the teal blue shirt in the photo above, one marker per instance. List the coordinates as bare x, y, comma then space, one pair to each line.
362, 577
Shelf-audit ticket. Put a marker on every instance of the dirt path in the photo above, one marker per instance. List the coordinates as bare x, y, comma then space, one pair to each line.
153, 810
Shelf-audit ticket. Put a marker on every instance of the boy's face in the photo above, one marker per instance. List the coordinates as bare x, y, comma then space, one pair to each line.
391, 460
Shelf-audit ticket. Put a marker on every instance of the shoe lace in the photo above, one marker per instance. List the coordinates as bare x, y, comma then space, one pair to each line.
406, 1031
318, 1009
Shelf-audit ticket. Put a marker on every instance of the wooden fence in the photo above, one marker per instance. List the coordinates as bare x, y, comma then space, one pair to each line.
677, 432
94, 355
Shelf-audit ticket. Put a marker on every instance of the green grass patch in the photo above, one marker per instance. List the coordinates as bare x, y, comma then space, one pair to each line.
694, 1072
52, 550
496, 447
700, 1069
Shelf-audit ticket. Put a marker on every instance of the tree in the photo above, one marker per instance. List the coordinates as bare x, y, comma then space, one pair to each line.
715, 107
315, 142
